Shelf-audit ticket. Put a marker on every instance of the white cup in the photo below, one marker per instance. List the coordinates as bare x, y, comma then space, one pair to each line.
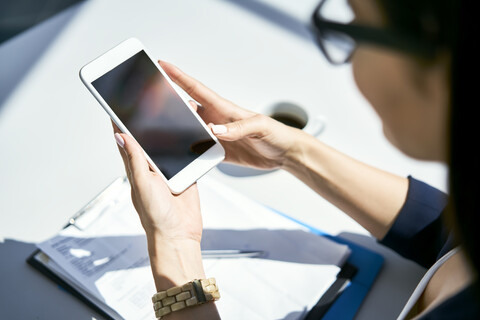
294, 115
290, 114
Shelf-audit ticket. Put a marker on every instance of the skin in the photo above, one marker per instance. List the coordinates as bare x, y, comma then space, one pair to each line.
412, 101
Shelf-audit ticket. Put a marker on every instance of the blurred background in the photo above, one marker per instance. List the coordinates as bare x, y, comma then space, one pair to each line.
18, 15
257, 53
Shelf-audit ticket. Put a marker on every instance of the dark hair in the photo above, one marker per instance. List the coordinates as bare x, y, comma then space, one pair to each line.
464, 160
429, 20
451, 26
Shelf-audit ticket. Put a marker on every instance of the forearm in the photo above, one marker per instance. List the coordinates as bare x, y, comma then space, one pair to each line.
175, 263
370, 196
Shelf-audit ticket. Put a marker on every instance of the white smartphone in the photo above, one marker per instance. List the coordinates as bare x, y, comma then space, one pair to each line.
140, 99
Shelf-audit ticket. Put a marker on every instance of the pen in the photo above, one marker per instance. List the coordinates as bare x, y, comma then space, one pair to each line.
213, 254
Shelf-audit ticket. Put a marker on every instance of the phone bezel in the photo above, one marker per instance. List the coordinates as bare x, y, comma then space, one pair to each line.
114, 57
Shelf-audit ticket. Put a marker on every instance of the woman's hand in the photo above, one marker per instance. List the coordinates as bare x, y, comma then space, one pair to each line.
249, 139
172, 217
173, 223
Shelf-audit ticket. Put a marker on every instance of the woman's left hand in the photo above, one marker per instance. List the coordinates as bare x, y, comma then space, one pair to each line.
173, 223
171, 217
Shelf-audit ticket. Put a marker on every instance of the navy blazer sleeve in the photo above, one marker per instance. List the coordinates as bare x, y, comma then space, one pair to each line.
419, 232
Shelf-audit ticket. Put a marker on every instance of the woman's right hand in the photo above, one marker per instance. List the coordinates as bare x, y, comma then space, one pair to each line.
249, 139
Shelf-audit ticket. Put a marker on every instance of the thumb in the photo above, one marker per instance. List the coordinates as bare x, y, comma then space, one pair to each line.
253, 126
133, 157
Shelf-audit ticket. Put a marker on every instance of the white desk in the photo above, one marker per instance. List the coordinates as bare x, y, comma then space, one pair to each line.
58, 150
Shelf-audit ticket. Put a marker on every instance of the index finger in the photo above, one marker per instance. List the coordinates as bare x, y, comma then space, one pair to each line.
193, 87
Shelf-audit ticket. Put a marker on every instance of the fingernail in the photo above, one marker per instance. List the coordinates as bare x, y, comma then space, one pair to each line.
219, 129
119, 140
198, 104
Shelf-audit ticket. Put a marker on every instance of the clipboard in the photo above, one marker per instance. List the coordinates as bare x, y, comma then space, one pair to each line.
33, 260
36, 258
341, 301
362, 268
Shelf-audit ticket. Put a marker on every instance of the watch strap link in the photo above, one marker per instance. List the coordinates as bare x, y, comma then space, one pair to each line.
188, 295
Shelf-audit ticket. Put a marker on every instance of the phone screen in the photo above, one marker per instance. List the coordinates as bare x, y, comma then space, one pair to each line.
153, 112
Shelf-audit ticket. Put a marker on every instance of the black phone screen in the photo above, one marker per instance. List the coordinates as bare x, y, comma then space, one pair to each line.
153, 112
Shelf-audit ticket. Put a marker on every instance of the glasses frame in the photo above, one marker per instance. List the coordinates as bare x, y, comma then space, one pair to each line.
368, 35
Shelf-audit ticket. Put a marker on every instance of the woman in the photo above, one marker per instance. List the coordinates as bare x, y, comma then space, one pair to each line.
403, 59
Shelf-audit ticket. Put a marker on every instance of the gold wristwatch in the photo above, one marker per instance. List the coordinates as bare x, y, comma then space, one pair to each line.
190, 294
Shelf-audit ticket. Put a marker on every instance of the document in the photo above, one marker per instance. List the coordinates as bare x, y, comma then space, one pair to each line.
108, 259
104, 256
298, 267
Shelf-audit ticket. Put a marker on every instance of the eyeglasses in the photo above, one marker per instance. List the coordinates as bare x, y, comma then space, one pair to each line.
337, 34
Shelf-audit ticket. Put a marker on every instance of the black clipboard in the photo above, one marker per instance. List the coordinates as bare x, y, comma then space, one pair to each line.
33, 261
344, 278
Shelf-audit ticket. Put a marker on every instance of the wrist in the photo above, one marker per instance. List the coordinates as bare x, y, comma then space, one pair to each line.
174, 261
295, 155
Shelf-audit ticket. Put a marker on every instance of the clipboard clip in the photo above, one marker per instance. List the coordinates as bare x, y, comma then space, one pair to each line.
104, 201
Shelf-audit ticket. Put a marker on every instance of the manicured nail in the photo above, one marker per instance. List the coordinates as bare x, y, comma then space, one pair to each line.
198, 104
194, 104
219, 129
119, 140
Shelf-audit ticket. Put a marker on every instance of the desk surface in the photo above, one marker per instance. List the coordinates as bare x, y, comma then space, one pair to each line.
58, 150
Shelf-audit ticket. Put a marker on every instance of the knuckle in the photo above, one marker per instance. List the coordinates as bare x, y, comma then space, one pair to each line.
262, 124
239, 127
261, 119
191, 87
131, 156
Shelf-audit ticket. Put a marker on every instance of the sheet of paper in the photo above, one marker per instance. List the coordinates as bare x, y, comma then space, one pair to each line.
298, 267
109, 259
232, 220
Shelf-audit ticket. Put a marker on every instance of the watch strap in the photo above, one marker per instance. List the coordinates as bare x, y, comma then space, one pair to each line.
190, 294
